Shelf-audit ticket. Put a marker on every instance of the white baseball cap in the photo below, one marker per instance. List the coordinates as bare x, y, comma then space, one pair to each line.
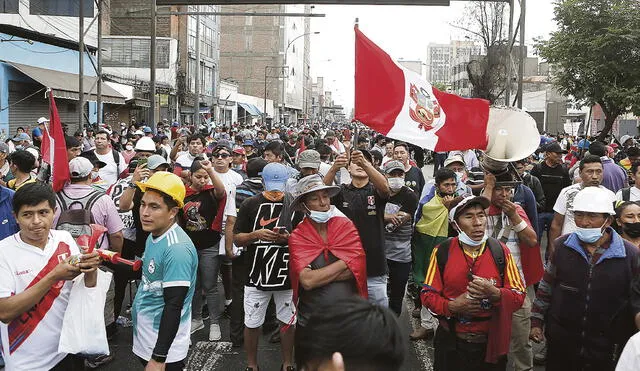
80, 167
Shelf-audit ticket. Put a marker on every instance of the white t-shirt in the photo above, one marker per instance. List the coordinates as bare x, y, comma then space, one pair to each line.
630, 357
32, 342
564, 205
634, 194
111, 171
185, 160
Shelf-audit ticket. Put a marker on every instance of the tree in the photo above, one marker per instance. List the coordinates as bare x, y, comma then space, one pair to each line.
595, 54
485, 22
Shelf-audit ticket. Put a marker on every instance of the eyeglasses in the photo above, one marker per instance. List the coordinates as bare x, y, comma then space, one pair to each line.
220, 155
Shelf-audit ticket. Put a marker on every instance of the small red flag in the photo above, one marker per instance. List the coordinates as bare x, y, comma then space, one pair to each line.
54, 149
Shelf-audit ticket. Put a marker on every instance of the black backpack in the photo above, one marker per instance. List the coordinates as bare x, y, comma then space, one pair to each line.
77, 221
442, 255
626, 194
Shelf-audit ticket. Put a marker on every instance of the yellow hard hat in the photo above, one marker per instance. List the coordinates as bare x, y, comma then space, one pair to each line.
167, 183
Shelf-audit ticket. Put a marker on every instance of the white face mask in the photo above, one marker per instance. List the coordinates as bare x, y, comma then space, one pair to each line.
128, 147
396, 183
320, 217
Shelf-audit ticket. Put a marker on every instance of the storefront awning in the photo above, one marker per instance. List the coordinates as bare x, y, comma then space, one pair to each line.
65, 85
251, 109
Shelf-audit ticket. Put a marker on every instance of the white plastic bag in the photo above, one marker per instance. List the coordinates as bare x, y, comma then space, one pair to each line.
83, 329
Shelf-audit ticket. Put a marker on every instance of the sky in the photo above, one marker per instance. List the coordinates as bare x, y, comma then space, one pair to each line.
402, 31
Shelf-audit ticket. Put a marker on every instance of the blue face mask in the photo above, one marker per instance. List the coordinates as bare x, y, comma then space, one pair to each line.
465, 239
320, 217
589, 235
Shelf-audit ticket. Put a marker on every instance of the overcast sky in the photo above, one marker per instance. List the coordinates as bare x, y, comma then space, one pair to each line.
402, 31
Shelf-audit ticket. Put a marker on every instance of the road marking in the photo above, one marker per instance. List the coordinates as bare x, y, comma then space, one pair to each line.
206, 354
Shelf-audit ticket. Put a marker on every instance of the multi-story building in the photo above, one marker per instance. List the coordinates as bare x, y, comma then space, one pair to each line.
177, 101
441, 58
269, 57
39, 50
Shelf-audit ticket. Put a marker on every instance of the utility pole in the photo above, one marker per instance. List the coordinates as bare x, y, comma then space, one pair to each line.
507, 93
152, 74
196, 90
523, 53
99, 97
80, 64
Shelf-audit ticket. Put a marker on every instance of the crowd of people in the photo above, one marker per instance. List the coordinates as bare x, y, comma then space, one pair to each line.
319, 233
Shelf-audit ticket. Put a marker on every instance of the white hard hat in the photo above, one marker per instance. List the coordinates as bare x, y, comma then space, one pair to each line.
145, 144
594, 200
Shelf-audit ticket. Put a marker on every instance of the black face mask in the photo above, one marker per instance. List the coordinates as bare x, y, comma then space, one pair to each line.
632, 229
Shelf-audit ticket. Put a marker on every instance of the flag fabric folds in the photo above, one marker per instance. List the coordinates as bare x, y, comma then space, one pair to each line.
54, 149
400, 104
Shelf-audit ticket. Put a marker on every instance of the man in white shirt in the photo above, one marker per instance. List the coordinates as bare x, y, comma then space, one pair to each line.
563, 220
631, 193
114, 160
196, 143
35, 283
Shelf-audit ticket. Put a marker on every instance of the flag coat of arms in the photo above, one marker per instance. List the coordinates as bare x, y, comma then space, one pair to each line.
400, 104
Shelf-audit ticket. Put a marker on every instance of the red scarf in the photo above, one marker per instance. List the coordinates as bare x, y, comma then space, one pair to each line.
305, 244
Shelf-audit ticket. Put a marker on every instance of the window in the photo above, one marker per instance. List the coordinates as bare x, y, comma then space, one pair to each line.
63, 8
9, 6
134, 53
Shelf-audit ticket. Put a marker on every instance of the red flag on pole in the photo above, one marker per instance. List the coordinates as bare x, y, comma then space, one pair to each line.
54, 149
400, 104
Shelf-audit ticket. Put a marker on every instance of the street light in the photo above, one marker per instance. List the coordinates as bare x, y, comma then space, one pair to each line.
284, 66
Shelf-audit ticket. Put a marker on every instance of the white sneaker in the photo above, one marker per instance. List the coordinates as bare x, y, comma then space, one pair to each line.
214, 332
196, 324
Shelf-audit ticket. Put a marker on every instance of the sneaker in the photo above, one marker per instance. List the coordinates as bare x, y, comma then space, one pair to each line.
98, 361
124, 322
205, 312
214, 332
421, 333
196, 325
540, 358
252, 369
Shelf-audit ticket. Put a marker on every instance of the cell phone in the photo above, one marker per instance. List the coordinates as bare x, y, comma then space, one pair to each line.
142, 161
280, 229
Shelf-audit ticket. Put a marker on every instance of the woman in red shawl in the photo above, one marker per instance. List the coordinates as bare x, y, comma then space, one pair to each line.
327, 262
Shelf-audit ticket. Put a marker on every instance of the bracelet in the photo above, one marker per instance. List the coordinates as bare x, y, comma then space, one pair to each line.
520, 226
159, 358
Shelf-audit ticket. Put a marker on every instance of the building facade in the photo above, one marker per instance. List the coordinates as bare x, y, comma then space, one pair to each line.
39, 50
441, 58
269, 57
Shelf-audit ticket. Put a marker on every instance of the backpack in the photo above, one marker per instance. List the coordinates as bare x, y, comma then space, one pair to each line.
77, 221
116, 158
442, 255
626, 194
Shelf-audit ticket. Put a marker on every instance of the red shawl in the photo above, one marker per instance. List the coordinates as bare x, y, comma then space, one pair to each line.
305, 244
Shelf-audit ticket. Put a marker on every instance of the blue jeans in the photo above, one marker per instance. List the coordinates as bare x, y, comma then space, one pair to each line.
377, 289
544, 223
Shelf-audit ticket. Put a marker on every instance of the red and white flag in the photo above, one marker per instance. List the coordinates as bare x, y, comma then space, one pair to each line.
398, 103
54, 148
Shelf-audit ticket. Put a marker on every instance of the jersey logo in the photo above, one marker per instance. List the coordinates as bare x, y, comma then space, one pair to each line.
264, 223
22, 327
270, 268
371, 200
62, 257
152, 266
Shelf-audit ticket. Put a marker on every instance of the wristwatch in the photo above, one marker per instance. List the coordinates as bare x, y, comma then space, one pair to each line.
131, 185
159, 358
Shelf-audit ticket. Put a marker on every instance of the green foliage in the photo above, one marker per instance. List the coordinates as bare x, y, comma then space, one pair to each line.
439, 85
595, 54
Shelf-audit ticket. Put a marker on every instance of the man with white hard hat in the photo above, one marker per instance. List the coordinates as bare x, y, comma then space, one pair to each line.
585, 299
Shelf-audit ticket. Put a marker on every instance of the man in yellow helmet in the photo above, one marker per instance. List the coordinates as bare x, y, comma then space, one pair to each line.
162, 308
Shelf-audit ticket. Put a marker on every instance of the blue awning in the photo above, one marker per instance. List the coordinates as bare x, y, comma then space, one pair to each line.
251, 109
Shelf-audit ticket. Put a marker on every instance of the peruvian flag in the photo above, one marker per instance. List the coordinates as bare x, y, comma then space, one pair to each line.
54, 149
399, 104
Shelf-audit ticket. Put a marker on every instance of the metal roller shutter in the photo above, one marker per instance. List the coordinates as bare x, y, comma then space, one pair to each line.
27, 112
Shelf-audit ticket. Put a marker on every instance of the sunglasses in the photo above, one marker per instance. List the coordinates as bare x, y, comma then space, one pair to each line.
220, 155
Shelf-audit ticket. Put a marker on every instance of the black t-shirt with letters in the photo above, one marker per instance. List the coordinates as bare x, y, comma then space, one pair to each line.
268, 262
